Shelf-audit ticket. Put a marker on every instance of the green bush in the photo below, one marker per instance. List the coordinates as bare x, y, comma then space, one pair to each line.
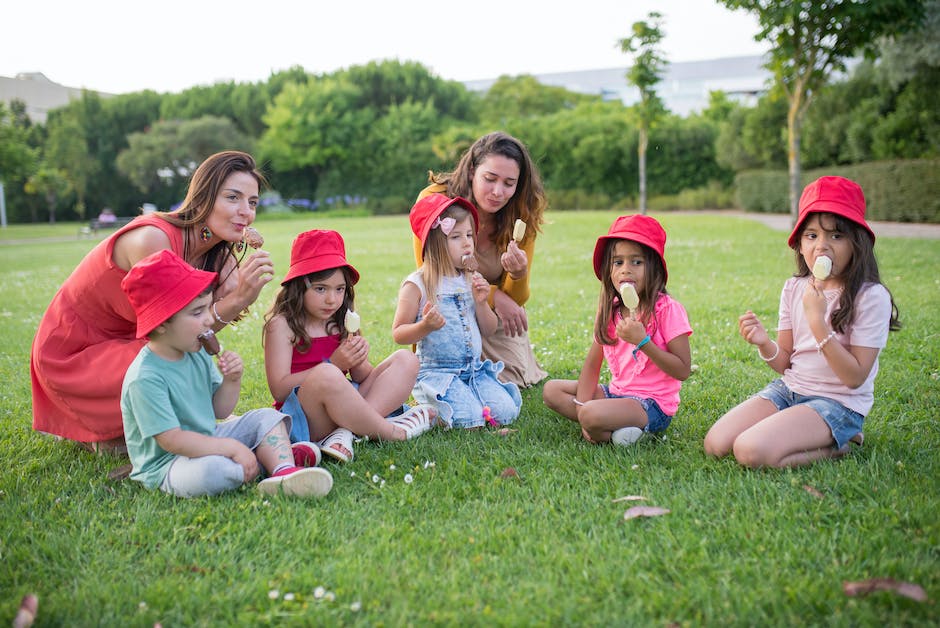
711, 196
578, 199
896, 190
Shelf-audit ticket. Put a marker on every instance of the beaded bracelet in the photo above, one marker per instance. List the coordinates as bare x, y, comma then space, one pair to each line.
820, 345
640, 344
217, 317
773, 357
576, 402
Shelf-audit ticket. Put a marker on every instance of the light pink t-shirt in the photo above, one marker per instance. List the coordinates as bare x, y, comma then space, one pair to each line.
641, 377
809, 373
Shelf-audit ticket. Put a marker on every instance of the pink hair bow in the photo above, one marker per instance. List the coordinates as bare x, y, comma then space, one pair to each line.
446, 224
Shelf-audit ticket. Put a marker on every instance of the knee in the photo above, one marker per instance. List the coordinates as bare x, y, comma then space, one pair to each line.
405, 360
323, 377
750, 452
716, 444
550, 394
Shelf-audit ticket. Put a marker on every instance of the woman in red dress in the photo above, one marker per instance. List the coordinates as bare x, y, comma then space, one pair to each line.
86, 338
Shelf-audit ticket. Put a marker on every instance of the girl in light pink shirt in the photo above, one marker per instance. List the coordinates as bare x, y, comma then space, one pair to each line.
833, 322
642, 333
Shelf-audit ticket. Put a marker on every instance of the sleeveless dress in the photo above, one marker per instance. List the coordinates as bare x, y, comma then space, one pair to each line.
84, 344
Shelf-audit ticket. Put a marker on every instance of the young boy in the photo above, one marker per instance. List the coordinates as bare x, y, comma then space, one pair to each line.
173, 393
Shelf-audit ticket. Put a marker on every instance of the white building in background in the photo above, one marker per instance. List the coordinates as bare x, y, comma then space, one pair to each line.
39, 93
685, 86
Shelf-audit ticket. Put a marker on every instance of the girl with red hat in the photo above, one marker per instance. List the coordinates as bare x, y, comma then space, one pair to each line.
442, 308
317, 361
642, 333
834, 319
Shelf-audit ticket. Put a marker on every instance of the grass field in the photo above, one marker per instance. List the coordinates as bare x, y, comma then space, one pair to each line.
461, 545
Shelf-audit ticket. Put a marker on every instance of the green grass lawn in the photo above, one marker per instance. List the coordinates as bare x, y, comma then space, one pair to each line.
462, 545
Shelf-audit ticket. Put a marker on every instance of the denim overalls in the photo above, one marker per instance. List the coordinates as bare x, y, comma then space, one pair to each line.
452, 377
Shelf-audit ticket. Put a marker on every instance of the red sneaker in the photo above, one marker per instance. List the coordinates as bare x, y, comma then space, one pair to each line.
306, 454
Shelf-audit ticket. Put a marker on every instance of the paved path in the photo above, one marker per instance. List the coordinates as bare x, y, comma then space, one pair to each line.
781, 222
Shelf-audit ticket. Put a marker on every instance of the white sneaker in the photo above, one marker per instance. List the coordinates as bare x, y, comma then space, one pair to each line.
338, 445
626, 436
298, 482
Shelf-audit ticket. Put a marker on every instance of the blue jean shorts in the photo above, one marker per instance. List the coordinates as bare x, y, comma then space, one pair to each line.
656, 419
843, 422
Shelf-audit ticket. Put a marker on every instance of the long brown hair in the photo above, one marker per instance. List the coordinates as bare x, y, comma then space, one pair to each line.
528, 203
861, 269
289, 303
653, 286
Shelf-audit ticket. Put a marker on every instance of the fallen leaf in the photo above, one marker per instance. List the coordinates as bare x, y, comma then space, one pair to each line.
644, 511
509, 472
864, 587
25, 616
812, 491
630, 498
120, 473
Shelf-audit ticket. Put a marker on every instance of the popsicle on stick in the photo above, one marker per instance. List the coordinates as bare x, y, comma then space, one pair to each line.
253, 238
629, 296
353, 321
822, 268
210, 342
468, 262
518, 230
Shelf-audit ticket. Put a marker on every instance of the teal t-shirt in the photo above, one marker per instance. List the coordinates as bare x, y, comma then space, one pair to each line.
159, 395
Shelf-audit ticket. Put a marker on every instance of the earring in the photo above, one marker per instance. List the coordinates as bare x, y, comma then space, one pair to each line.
204, 234
239, 247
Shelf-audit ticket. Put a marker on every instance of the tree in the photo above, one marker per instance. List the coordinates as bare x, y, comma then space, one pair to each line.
51, 184
646, 72
811, 39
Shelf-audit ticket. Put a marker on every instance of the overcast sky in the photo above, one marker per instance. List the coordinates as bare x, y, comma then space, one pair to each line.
167, 46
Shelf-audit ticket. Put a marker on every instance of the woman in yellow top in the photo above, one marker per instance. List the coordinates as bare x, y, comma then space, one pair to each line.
498, 176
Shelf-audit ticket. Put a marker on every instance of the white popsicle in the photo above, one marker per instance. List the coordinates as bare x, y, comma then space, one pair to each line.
518, 230
352, 321
822, 267
629, 296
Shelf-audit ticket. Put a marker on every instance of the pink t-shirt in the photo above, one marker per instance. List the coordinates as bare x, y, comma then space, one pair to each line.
641, 377
809, 373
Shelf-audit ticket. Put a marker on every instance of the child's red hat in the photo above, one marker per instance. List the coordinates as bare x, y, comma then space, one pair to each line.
316, 250
638, 228
429, 208
834, 195
160, 285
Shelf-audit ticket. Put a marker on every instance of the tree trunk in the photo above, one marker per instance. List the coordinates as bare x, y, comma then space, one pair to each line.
794, 126
641, 154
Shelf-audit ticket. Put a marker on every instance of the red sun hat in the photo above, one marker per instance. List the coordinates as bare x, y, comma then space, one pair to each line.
834, 195
160, 285
316, 250
638, 228
430, 207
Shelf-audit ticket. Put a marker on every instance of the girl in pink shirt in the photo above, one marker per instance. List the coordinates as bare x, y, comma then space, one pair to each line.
833, 322
640, 330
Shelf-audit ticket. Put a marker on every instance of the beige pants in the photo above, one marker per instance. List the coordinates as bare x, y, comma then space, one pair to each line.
520, 365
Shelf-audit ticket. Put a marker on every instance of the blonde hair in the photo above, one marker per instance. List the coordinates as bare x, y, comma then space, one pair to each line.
437, 260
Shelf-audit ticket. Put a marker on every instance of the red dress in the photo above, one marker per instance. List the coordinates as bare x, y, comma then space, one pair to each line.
84, 344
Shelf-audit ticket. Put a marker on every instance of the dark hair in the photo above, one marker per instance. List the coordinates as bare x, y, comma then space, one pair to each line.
862, 269
289, 303
653, 286
528, 203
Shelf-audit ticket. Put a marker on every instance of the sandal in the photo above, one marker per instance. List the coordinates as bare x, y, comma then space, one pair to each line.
416, 421
338, 445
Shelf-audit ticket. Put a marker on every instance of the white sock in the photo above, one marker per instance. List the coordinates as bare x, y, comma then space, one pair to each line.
281, 467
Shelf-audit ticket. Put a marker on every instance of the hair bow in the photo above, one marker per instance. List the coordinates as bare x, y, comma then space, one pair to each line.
446, 225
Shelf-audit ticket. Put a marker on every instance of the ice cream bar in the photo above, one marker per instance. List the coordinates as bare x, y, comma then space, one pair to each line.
629, 296
468, 262
209, 342
518, 230
253, 238
822, 267
352, 321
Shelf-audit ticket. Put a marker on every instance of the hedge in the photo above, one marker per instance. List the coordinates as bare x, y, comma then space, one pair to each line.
897, 190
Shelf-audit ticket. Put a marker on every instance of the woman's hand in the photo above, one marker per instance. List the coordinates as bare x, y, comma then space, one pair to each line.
514, 261
513, 316
246, 281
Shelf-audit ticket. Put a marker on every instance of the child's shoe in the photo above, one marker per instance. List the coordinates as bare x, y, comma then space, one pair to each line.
306, 454
626, 436
416, 421
298, 482
338, 445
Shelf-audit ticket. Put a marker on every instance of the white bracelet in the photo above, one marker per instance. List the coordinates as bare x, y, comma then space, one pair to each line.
217, 317
820, 345
771, 358
576, 402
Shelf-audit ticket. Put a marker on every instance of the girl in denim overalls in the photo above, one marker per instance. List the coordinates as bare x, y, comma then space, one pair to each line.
442, 307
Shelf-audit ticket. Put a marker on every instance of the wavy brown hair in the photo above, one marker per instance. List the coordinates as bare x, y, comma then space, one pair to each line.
609, 300
528, 203
861, 270
289, 303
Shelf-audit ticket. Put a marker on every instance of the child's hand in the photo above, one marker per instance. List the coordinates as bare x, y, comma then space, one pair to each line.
752, 330
432, 317
481, 288
350, 353
231, 365
246, 458
814, 302
630, 330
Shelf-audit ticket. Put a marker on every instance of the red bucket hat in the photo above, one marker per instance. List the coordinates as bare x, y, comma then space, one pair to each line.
834, 195
316, 250
160, 285
638, 228
427, 210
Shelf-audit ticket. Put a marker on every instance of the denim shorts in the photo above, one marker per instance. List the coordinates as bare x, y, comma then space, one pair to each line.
843, 422
656, 419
